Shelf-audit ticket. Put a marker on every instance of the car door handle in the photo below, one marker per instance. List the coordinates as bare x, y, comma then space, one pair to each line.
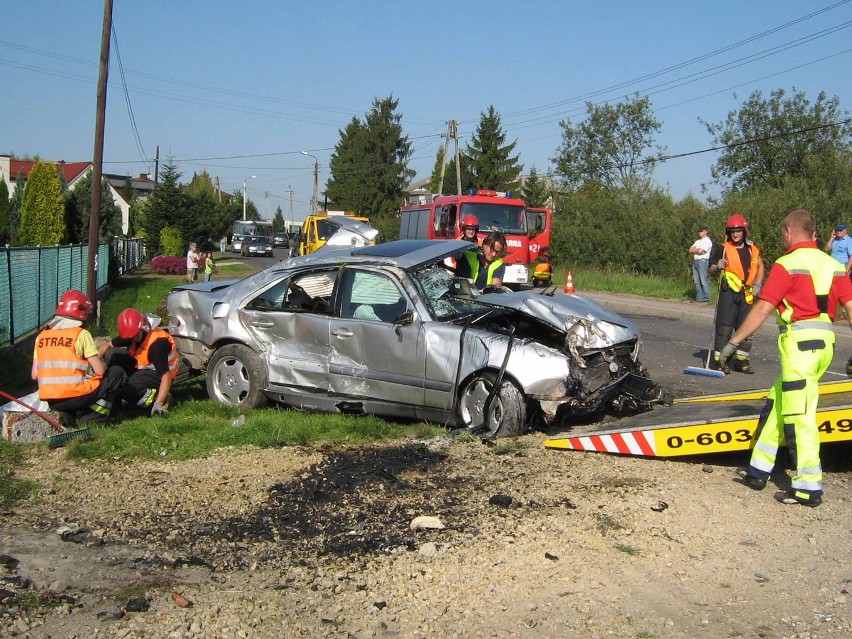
341, 332
259, 324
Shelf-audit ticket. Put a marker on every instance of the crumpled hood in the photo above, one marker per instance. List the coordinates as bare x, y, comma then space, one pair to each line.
564, 312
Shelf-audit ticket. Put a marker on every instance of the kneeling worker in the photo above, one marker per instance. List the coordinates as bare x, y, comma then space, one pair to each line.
156, 361
64, 354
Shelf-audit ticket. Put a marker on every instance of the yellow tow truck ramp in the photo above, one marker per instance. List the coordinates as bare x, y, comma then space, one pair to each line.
700, 425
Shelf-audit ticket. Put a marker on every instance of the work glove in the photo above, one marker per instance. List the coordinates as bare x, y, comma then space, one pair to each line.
722, 263
729, 349
756, 288
158, 410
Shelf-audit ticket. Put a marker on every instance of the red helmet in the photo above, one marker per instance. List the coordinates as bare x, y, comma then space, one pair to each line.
736, 221
469, 220
130, 322
75, 305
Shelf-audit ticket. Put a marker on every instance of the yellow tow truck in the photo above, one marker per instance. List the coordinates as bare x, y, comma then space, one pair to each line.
708, 424
320, 226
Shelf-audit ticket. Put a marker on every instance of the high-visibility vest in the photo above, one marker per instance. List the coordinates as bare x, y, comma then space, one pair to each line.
472, 258
61, 373
543, 271
140, 352
493, 266
735, 273
822, 269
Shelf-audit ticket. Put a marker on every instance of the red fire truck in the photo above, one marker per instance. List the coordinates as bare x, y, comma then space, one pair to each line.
438, 218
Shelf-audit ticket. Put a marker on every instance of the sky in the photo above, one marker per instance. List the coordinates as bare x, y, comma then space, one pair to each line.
239, 89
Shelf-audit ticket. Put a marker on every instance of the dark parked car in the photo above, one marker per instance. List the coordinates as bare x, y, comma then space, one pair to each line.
281, 240
389, 330
256, 245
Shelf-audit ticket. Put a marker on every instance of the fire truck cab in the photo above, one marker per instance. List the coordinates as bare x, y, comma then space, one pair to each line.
439, 217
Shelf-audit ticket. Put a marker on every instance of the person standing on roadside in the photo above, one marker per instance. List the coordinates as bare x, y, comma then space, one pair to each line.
193, 257
71, 376
740, 266
700, 250
223, 244
209, 266
804, 286
840, 246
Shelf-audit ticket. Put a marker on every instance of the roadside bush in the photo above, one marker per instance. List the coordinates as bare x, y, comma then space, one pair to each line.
617, 231
171, 241
168, 264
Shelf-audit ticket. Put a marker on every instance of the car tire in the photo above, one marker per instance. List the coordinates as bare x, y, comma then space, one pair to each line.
507, 416
236, 376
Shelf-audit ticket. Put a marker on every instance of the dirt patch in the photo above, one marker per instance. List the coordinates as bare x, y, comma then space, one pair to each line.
318, 543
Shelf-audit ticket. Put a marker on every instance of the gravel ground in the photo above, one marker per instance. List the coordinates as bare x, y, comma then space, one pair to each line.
535, 543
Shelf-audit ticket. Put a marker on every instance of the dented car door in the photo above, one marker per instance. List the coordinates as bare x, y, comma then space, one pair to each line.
376, 348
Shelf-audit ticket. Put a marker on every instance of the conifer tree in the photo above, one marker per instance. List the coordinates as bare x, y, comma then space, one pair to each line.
42, 207
4, 212
491, 162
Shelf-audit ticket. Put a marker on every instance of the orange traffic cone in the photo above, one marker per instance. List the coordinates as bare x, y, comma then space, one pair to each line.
569, 283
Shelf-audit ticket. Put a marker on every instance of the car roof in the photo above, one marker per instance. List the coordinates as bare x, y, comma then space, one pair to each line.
411, 253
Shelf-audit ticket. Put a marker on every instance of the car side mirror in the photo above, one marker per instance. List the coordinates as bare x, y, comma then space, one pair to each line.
405, 318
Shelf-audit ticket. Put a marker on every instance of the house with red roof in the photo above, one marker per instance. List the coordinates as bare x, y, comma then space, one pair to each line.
73, 172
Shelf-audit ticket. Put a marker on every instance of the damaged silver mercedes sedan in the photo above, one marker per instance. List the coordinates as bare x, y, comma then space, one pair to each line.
388, 330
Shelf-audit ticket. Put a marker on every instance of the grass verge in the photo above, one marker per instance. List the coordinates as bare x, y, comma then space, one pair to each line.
196, 428
11, 489
619, 282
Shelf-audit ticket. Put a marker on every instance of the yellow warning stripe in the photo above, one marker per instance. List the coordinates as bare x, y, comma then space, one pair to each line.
826, 388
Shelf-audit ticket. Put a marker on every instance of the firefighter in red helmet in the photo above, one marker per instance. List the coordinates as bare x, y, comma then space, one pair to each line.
149, 355
740, 267
469, 263
71, 377
469, 228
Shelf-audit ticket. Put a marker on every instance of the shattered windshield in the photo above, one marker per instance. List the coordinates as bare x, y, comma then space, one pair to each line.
444, 293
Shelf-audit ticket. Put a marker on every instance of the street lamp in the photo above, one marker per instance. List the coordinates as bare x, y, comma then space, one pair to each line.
315, 196
244, 195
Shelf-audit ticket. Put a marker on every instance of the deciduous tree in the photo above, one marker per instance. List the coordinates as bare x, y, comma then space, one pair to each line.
768, 139
78, 206
42, 207
614, 147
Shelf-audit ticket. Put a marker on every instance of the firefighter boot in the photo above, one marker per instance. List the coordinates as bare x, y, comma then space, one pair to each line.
741, 365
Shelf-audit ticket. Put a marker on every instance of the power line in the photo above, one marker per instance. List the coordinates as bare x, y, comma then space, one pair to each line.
140, 147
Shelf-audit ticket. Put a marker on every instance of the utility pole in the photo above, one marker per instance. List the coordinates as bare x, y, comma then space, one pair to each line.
157, 167
98, 159
218, 192
290, 198
266, 197
452, 132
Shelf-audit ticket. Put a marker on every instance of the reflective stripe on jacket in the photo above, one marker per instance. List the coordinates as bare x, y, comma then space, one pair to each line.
821, 269
542, 271
735, 273
140, 352
61, 373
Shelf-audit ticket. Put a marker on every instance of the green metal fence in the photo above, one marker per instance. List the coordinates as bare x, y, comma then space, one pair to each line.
32, 279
